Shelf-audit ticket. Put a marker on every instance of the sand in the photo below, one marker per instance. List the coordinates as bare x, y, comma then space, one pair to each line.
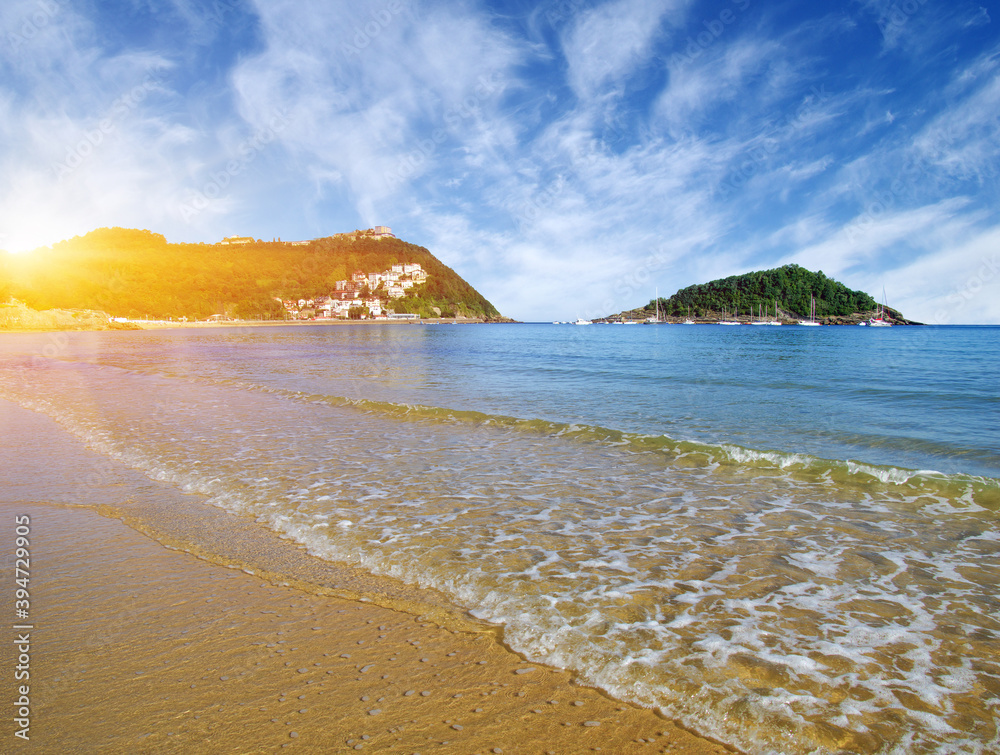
137, 647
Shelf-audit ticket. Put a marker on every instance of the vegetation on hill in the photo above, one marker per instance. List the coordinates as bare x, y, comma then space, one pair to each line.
135, 273
789, 288
14, 315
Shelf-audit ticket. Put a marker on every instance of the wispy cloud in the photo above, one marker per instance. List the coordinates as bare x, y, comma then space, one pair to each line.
567, 158
609, 42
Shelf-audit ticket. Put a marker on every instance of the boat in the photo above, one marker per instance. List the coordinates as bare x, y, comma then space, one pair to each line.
775, 321
656, 320
689, 321
812, 313
724, 321
581, 321
879, 321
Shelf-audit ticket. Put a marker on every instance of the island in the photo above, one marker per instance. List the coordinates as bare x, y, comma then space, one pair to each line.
786, 295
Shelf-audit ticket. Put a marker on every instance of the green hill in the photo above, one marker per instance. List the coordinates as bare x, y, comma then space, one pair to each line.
135, 273
788, 288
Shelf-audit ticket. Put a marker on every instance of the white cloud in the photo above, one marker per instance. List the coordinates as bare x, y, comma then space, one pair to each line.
717, 77
607, 43
377, 96
962, 139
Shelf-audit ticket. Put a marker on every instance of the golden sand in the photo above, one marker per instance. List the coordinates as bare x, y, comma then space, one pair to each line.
139, 648
143, 645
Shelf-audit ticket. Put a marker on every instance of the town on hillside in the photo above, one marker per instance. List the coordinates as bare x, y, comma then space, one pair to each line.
366, 296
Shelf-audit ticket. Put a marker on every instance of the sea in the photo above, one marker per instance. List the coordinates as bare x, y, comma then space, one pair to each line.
784, 538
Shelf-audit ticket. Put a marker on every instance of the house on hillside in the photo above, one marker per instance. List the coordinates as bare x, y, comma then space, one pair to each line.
236, 240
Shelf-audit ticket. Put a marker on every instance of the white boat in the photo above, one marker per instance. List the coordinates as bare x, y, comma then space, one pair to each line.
651, 320
689, 322
812, 313
775, 321
724, 321
581, 321
880, 321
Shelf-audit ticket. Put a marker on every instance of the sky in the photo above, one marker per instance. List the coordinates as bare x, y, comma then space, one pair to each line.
568, 158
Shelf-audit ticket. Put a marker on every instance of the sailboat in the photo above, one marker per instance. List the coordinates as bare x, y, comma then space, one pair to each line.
689, 321
724, 321
775, 321
657, 320
812, 313
880, 321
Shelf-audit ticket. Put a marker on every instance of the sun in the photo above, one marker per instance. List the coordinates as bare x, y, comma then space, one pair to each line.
28, 236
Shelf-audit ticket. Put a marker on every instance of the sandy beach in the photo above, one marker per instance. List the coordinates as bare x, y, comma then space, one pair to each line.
138, 647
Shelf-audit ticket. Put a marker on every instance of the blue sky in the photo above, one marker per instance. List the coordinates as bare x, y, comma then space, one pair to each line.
567, 158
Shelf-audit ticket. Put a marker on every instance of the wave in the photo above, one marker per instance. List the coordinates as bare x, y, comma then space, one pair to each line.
957, 489
961, 489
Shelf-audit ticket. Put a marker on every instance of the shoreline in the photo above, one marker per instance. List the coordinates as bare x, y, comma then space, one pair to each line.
139, 646
133, 325
17, 318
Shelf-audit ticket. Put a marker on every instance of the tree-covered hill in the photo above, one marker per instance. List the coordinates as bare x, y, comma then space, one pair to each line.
136, 273
788, 288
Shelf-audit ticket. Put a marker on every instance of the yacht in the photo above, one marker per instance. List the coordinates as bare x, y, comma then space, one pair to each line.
879, 320
812, 313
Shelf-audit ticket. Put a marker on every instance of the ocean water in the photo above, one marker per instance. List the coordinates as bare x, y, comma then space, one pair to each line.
784, 538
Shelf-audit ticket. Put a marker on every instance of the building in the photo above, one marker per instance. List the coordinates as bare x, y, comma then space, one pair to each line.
236, 240
382, 231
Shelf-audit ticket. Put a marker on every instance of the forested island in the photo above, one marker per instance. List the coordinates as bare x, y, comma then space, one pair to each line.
137, 274
789, 294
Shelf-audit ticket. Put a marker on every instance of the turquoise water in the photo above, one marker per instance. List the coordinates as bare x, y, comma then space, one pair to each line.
919, 397
785, 538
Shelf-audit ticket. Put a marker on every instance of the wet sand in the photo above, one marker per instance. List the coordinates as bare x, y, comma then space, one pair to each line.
137, 647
